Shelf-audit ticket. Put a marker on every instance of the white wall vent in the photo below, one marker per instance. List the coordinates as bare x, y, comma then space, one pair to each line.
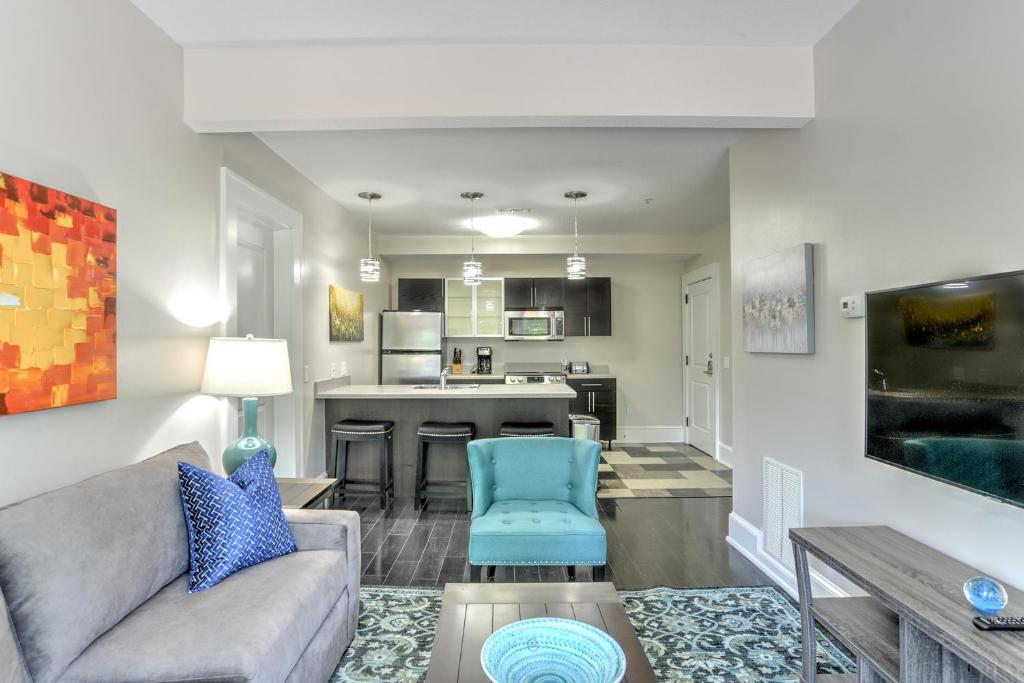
783, 497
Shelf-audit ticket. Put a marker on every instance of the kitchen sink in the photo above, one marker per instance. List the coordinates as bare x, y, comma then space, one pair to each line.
450, 387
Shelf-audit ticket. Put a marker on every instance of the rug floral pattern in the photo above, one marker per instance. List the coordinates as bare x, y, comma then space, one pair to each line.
706, 635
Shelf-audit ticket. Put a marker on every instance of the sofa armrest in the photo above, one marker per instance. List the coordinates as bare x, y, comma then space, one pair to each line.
332, 530
325, 529
12, 664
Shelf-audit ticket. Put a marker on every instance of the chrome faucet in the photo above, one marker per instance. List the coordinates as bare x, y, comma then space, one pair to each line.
444, 377
880, 376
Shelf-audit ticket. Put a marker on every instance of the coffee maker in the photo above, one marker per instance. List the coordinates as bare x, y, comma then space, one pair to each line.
483, 360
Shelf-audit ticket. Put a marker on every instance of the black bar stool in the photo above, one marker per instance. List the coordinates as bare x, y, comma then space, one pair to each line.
381, 431
440, 432
526, 429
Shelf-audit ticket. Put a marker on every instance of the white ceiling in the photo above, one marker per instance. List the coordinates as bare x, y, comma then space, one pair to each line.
790, 23
421, 173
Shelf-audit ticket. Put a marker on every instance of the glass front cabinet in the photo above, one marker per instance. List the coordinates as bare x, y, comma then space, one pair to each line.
474, 311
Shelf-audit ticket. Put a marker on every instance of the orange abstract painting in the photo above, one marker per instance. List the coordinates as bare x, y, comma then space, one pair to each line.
58, 294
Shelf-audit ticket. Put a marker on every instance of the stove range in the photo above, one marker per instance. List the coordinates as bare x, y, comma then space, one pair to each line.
534, 377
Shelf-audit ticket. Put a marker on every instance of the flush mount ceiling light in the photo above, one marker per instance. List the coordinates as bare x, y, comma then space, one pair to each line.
504, 224
576, 265
369, 267
472, 270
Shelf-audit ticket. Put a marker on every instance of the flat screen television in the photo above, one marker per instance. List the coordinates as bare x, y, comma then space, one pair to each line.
945, 382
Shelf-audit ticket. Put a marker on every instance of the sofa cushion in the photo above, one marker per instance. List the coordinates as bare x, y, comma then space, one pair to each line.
75, 561
232, 523
522, 532
254, 626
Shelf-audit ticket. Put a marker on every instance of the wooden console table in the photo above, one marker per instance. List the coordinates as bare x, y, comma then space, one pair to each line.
915, 625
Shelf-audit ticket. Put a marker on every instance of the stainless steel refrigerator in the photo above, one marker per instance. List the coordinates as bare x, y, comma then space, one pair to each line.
410, 347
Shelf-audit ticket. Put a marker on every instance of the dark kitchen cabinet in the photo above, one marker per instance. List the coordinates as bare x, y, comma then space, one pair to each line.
518, 292
588, 307
596, 397
547, 292
421, 294
530, 292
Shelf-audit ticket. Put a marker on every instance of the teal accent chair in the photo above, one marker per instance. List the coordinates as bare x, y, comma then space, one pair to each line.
535, 503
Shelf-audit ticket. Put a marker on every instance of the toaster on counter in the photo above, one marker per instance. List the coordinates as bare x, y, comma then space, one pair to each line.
579, 367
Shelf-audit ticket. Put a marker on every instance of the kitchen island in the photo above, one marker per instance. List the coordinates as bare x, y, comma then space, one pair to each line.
486, 406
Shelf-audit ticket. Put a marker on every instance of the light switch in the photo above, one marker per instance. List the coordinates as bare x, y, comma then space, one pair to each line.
726, 362
307, 375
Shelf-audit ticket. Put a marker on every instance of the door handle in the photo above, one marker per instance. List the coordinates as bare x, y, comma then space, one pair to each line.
710, 369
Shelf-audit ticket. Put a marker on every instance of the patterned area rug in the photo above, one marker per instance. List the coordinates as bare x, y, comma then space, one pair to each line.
705, 635
661, 470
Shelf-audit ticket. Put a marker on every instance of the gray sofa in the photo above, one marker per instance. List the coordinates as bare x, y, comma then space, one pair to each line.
93, 588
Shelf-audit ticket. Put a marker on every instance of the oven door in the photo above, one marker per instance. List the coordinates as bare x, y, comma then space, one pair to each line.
534, 325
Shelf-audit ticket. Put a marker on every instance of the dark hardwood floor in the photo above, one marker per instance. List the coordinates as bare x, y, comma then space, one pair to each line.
651, 542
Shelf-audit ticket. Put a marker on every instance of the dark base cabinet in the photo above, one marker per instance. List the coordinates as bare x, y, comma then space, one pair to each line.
596, 397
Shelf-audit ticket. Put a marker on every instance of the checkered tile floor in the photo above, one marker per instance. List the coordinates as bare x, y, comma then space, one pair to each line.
661, 470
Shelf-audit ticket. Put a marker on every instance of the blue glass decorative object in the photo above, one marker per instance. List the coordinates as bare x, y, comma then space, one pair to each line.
552, 651
986, 594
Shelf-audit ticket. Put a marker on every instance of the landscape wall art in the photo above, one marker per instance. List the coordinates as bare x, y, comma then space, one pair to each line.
778, 302
346, 314
58, 294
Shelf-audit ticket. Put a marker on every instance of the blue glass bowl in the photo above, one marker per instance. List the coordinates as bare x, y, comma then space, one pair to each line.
986, 594
552, 651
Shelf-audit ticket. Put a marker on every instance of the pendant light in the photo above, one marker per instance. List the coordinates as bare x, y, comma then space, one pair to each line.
472, 270
369, 267
576, 265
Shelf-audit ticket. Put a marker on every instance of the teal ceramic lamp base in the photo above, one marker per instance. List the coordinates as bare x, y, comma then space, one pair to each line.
250, 442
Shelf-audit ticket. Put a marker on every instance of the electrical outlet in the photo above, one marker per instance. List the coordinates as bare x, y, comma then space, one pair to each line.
726, 362
307, 375
344, 368
630, 409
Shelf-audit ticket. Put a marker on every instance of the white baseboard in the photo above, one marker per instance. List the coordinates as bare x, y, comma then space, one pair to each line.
747, 539
724, 454
648, 434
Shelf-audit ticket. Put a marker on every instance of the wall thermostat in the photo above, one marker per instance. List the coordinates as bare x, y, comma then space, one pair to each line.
852, 306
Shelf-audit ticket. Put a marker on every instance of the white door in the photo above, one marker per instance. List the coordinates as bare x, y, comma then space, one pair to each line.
700, 372
255, 278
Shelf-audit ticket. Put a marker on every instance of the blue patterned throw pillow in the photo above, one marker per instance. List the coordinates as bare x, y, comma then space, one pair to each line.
232, 523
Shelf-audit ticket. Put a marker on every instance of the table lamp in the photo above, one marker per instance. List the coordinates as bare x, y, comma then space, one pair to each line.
247, 368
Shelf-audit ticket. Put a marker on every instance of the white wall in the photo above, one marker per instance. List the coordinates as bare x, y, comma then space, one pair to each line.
644, 351
715, 249
910, 173
94, 107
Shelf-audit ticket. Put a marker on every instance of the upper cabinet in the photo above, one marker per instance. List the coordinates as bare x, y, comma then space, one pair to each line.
588, 307
421, 294
531, 292
474, 311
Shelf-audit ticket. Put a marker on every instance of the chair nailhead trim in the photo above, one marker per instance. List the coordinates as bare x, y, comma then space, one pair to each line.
518, 435
339, 431
450, 435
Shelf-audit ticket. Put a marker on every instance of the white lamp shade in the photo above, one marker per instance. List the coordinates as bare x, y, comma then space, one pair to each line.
244, 367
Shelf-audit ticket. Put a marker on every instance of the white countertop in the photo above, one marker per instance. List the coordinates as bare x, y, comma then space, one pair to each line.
485, 391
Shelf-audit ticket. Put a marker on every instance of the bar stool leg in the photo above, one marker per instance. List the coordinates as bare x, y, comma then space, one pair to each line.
391, 464
421, 471
341, 465
383, 486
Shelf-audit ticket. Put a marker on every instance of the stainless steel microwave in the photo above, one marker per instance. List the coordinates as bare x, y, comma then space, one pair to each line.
535, 324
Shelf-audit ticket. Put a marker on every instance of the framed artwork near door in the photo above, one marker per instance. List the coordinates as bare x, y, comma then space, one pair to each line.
345, 314
58, 296
778, 302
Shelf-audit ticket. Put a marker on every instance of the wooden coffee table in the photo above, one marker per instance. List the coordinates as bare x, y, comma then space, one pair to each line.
470, 612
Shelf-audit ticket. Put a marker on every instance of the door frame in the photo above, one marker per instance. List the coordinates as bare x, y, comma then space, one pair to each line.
708, 272
239, 197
